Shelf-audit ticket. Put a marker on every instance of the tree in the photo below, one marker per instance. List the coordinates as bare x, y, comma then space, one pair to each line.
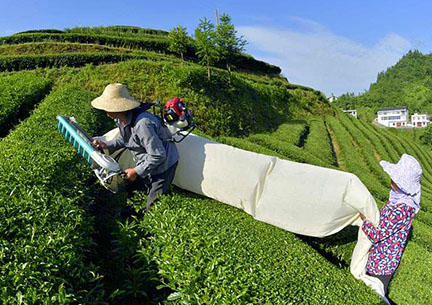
426, 137
179, 40
229, 44
205, 44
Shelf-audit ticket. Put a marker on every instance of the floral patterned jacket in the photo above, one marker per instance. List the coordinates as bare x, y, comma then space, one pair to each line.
389, 238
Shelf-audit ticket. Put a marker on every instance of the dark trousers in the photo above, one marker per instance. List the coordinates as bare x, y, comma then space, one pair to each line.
385, 279
153, 185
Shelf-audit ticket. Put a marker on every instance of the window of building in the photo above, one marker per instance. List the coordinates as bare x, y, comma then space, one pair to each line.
394, 117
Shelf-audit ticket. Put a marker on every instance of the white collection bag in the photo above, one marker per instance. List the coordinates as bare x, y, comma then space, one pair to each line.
300, 198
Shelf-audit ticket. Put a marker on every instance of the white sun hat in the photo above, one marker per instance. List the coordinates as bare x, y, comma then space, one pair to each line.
115, 98
406, 173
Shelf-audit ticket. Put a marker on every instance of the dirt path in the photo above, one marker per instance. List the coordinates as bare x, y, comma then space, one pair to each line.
335, 148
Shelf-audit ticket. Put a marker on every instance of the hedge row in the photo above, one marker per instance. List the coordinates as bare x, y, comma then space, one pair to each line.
148, 43
318, 142
291, 152
18, 94
39, 48
286, 142
353, 163
292, 132
366, 151
41, 31
243, 143
151, 43
210, 253
13, 63
117, 29
247, 62
412, 283
384, 148
45, 235
219, 108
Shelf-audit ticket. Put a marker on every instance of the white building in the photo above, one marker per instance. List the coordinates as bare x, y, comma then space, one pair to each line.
393, 117
420, 120
332, 99
353, 112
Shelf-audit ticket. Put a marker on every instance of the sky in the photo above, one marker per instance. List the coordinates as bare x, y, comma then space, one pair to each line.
334, 46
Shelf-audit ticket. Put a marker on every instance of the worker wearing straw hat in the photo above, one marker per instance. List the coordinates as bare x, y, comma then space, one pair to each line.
145, 136
396, 217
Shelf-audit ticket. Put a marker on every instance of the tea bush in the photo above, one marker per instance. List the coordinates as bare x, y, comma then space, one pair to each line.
60, 48
156, 43
28, 62
41, 31
293, 132
45, 234
353, 162
119, 30
218, 108
243, 143
384, 148
318, 142
210, 253
291, 152
18, 94
148, 43
365, 149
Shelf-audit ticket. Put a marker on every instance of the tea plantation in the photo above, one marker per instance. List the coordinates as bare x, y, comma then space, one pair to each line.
61, 241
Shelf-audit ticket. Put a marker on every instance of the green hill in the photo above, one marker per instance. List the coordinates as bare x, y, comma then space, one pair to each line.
60, 242
117, 36
407, 83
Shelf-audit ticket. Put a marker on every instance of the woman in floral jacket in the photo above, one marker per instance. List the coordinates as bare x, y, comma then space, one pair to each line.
396, 217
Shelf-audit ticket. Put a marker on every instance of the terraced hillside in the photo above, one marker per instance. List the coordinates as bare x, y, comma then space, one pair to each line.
121, 39
62, 242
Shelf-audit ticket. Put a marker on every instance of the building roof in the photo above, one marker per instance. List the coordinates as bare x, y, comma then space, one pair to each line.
393, 108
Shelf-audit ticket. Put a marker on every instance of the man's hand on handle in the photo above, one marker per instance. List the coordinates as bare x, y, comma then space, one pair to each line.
362, 217
130, 174
99, 144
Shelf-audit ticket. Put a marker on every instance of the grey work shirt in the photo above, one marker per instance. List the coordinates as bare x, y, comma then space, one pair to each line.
147, 139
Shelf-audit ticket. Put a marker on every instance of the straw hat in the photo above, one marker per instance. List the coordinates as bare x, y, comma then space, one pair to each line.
115, 98
406, 173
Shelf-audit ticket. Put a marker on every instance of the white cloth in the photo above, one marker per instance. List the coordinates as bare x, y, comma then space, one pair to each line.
398, 196
296, 197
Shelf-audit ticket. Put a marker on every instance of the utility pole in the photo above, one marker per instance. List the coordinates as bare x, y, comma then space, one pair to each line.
217, 17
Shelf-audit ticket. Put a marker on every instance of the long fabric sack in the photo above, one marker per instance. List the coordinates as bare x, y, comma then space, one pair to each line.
297, 197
